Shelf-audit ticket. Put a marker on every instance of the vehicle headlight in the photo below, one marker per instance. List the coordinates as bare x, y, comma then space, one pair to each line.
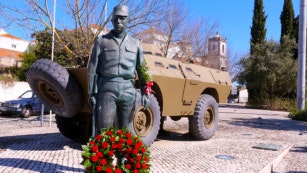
15, 105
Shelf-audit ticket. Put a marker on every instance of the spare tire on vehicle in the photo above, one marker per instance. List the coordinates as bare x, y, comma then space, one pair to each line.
55, 87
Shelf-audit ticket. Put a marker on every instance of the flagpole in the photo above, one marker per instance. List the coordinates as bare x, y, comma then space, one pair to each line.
301, 57
53, 29
52, 48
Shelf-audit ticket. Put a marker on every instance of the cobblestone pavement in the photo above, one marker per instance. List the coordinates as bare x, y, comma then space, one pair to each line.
25, 146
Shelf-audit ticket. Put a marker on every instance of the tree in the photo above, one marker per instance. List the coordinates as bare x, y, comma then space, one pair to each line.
258, 30
270, 72
174, 20
28, 57
43, 41
76, 21
287, 20
197, 32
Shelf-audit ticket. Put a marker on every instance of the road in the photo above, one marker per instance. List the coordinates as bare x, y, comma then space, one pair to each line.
25, 146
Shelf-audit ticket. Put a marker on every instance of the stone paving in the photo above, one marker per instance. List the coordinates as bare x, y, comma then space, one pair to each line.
25, 146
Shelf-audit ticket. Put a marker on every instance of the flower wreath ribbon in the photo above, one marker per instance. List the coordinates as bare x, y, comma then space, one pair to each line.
148, 89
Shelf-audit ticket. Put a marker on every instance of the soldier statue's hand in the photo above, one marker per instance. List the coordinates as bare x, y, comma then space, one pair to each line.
145, 101
92, 100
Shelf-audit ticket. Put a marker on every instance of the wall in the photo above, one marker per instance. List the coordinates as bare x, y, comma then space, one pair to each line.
13, 92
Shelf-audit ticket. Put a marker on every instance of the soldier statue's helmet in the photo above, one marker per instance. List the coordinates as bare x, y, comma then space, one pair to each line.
121, 10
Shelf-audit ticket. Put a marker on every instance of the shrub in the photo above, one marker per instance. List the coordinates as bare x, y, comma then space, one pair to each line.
300, 115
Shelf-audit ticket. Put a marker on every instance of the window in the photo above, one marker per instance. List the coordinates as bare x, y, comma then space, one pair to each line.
189, 69
172, 66
159, 64
147, 52
223, 48
14, 46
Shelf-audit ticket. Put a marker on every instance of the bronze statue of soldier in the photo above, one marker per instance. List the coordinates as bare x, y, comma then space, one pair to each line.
115, 58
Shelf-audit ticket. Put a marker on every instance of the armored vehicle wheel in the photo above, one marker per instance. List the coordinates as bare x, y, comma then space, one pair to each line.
146, 122
205, 120
26, 112
55, 87
77, 128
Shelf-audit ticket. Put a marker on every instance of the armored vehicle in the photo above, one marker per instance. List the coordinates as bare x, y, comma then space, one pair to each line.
180, 90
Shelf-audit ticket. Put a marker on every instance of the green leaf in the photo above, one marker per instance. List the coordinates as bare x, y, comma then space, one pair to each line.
87, 163
85, 148
86, 154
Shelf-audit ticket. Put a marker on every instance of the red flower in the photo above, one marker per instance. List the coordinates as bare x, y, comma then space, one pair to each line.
143, 150
135, 151
129, 142
111, 153
138, 144
121, 140
131, 160
129, 150
99, 154
92, 143
94, 158
95, 149
135, 171
99, 168
112, 139
120, 132
128, 135
114, 146
138, 165
144, 166
104, 145
128, 166
146, 159
109, 170
139, 157
120, 146
103, 161
118, 170
98, 137
109, 133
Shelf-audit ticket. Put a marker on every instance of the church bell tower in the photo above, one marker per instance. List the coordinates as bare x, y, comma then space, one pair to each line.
217, 52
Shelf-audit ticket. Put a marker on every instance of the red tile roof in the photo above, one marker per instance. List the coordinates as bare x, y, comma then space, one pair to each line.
10, 53
10, 36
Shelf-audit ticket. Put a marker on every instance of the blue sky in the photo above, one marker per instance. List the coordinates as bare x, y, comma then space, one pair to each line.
234, 18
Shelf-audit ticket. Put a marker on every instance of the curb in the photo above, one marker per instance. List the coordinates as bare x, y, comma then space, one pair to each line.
271, 166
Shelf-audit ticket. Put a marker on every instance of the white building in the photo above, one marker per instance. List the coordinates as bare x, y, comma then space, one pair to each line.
153, 36
11, 47
243, 96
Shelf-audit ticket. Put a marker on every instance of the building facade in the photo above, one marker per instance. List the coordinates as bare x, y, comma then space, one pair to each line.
217, 54
11, 48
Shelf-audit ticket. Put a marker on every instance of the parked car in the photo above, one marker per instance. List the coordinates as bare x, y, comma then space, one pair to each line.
26, 105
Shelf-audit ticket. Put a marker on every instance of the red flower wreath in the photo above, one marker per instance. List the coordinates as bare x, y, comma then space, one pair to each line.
99, 153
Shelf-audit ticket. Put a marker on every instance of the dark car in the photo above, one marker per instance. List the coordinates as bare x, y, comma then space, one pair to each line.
25, 105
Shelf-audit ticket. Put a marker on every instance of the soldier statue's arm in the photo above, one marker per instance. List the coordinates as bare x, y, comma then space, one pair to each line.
92, 76
141, 62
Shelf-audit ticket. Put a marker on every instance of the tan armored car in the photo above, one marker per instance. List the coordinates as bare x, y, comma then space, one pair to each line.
180, 90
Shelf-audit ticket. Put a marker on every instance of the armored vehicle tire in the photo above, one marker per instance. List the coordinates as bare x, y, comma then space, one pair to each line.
205, 120
77, 128
146, 122
26, 112
55, 87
